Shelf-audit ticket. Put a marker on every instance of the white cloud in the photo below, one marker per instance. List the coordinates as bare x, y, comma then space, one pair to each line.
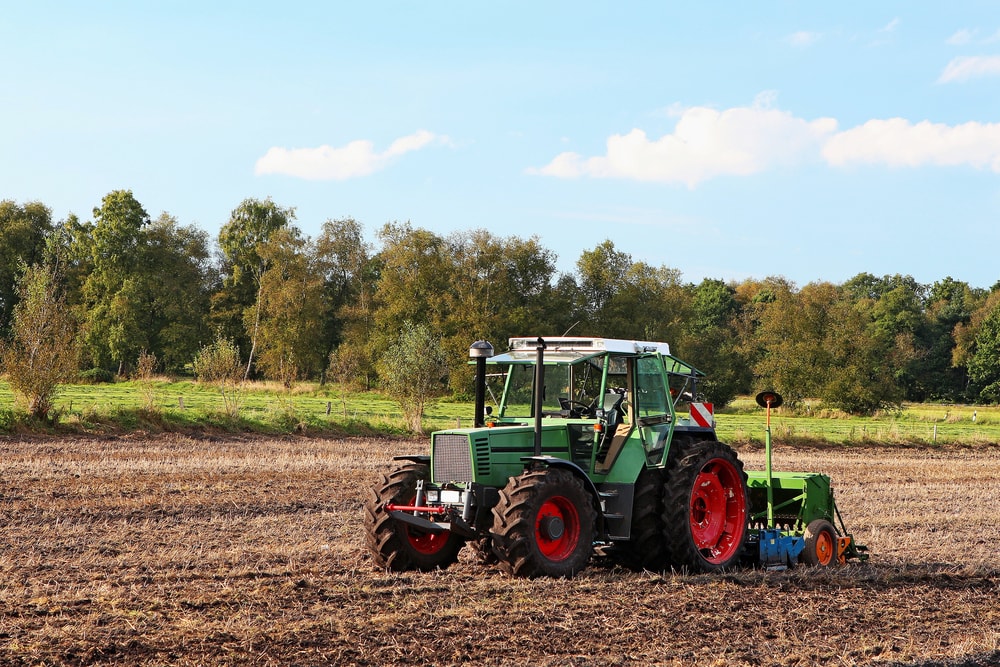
898, 142
964, 68
891, 26
705, 143
803, 38
326, 163
742, 141
961, 37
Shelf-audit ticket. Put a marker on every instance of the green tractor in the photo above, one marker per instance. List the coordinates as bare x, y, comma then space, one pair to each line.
590, 450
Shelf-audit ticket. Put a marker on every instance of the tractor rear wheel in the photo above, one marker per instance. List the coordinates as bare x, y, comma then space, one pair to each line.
821, 544
543, 525
705, 507
395, 545
647, 546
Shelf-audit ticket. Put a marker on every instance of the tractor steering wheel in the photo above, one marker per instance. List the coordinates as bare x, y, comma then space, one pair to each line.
576, 408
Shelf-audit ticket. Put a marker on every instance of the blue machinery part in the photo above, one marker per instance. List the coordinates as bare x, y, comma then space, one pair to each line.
777, 551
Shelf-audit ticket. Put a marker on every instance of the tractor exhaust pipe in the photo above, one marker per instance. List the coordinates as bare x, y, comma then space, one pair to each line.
539, 393
479, 351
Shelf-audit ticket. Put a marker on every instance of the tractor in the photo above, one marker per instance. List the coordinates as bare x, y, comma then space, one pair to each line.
597, 445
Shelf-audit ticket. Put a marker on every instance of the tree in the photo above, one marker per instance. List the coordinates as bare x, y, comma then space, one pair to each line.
115, 300
599, 281
791, 332
42, 352
292, 310
412, 371
23, 233
178, 278
498, 287
350, 278
861, 377
710, 342
250, 225
984, 363
949, 308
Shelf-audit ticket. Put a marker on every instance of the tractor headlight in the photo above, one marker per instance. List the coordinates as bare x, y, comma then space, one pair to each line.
432, 495
451, 497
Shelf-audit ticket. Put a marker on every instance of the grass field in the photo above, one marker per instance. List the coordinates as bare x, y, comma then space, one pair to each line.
264, 408
248, 551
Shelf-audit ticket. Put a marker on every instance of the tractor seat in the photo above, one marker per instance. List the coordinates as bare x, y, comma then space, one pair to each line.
613, 410
613, 417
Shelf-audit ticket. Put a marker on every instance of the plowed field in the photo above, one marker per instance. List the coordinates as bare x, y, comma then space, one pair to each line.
184, 551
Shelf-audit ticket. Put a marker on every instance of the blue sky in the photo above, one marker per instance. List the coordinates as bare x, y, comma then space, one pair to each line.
727, 140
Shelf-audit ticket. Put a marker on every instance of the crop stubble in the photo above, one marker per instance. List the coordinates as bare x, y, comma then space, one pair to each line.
179, 550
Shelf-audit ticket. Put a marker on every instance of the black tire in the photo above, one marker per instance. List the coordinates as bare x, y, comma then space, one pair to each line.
647, 546
705, 507
543, 525
821, 544
397, 546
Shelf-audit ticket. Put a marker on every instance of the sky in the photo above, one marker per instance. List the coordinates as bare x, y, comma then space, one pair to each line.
813, 141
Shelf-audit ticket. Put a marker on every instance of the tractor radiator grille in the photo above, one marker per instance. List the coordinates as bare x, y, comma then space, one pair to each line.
452, 458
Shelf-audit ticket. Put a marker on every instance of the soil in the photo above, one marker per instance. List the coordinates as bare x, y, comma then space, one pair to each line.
249, 551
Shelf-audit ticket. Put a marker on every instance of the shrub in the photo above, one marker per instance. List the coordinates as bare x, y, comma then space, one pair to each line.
413, 371
219, 363
41, 353
96, 376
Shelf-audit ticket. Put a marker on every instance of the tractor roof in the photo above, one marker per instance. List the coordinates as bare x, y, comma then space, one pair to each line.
564, 343
562, 349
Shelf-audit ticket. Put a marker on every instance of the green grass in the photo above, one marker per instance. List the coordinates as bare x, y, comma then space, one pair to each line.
268, 408
263, 407
916, 423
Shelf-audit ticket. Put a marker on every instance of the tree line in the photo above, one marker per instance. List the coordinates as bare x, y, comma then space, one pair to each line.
123, 286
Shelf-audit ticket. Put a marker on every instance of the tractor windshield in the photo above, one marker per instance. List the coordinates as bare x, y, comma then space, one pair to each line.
566, 387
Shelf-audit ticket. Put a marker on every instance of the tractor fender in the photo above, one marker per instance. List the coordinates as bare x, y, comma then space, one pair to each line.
595, 496
415, 458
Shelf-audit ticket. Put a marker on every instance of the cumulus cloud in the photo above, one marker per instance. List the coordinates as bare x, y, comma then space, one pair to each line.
328, 163
898, 142
741, 141
964, 68
705, 143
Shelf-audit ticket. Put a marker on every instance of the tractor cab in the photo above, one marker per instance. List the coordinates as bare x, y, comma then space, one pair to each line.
603, 392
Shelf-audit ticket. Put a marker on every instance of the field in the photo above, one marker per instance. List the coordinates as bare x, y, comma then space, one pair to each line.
183, 550
170, 405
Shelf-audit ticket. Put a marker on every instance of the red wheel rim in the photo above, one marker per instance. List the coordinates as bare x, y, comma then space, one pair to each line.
557, 528
427, 543
718, 511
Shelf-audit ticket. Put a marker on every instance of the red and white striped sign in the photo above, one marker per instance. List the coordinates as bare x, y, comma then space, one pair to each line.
703, 414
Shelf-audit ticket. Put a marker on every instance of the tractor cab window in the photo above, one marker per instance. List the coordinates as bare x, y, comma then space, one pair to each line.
567, 390
653, 407
517, 394
652, 400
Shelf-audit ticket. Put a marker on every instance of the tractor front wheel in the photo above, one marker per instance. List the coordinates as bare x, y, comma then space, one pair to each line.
397, 546
543, 525
821, 544
705, 507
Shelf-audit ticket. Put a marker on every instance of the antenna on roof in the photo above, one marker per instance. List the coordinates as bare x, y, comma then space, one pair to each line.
571, 327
